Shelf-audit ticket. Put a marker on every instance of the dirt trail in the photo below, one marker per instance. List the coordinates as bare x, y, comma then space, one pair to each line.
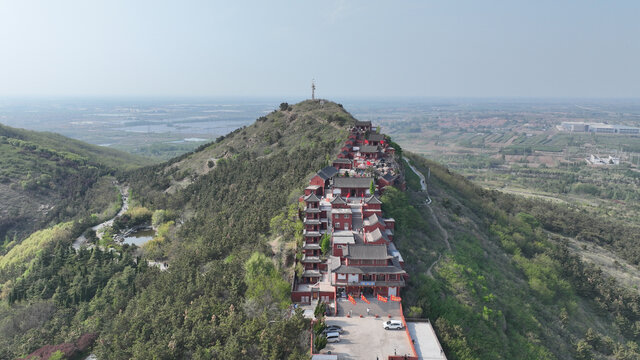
445, 234
445, 237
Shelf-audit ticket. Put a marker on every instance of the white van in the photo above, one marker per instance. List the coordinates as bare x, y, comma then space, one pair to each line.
392, 325
333, 337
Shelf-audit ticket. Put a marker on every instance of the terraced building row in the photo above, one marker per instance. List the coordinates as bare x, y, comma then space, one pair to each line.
343, 202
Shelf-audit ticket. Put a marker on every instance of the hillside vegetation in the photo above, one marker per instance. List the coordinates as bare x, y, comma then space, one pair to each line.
509, 288
494, 272
18, 257
44, 177
221, 297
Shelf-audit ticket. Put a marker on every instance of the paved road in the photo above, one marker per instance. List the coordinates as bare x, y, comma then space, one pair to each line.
124, 192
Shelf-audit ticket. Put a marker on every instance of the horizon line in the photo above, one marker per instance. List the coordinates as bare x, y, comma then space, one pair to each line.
302, 98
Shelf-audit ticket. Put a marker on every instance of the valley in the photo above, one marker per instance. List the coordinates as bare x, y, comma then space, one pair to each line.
157, 129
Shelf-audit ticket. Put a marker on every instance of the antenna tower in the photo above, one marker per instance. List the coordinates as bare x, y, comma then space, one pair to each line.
313, 89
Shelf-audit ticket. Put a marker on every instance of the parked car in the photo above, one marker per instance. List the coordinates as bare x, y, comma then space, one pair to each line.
393, 325
333, 337
333, 328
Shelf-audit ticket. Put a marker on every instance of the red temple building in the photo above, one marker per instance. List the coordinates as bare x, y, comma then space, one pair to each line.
375, 139
352, 186
362, 260
323, 177
369, 270
362, 126
343, 163
369, 151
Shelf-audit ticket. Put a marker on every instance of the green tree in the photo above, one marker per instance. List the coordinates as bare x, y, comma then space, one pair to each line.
58, 355
584, 351
319, 342
325, 243
299, 269
319, 311
257, 266
265, 285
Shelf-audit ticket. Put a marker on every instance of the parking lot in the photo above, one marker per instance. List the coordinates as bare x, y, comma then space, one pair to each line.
364, 338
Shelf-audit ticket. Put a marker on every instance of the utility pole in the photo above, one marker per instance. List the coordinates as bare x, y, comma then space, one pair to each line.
313, 89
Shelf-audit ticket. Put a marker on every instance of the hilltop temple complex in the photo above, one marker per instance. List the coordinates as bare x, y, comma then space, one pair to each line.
342, 202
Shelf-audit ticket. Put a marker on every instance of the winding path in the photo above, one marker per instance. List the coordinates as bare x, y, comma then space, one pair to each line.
445, 237
445, 234
124, 192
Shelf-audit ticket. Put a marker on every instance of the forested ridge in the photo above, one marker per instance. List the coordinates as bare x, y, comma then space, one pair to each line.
45, 177
509, 288
222, 298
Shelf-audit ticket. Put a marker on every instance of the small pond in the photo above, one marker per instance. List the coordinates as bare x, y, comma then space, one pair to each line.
140, 237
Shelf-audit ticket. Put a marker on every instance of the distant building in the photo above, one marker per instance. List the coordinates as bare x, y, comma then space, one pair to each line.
599, 128
596, 160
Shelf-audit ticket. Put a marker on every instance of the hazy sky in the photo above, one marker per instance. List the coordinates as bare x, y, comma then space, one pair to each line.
479, 48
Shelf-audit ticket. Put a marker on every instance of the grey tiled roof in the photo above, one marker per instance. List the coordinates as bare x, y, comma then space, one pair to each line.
352, 182
344, 240
333, 262
373, 200
311, 247
342, 161
375, 219
376, 137
342, 211
368, 149
327, 173
376, 235
311, 198
389, 178
311, 273
344, 269
367, 252
338, 200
